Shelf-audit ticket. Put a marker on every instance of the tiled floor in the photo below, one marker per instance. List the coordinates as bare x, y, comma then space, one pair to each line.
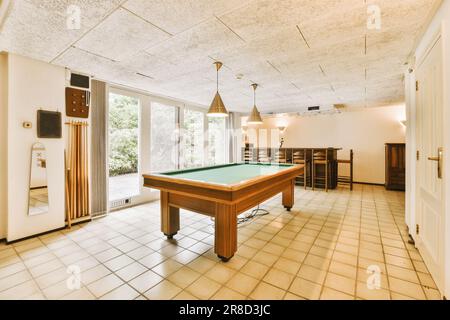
324, 249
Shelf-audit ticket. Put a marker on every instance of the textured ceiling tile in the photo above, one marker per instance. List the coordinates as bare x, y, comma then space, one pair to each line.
301, 52
121, 35
197, 43
38, 29
176, 16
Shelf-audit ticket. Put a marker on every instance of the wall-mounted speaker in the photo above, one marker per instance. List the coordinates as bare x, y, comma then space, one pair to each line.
80, 81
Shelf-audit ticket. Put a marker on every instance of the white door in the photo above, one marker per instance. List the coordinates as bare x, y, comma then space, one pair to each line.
429, 184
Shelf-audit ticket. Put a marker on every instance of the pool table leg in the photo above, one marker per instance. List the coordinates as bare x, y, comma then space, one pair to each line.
225, 244
288, 196
170, 217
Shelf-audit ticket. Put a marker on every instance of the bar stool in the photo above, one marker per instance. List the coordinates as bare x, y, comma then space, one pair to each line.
347, 179
320, 157
299, 156
263, 156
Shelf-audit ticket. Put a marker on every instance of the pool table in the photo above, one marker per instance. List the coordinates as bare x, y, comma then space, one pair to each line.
222, 192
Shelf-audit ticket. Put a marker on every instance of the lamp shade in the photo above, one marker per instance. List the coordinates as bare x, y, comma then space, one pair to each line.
255, 117
217, 108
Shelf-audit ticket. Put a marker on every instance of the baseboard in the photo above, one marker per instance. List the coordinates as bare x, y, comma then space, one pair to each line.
34, 236
369, 183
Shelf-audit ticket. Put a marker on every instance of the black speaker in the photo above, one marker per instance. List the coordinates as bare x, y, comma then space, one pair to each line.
49, 124
80, 81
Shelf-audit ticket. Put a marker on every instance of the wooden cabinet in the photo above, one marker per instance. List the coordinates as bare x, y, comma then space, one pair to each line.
395, 166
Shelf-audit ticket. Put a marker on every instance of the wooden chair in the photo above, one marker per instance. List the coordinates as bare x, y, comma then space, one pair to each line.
347, 179
320, 158
299, 156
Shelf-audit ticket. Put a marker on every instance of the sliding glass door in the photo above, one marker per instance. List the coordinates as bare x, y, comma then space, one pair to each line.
123, 161
164, 137
193, 141
217, 143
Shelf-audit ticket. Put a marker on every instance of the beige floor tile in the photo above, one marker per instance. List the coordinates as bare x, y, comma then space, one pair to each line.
220, 273
131, 271
94, 274
265, 258
345, 258
152, 260
306, 289
255, 270
20, 291
406, 288
82, 294
202, 264
167, 267
203, 288
426, 280
236, 263
291, 296
317, 262
364, 292
343, 269
432, 294
118, 262
242, 283
246, 251
265, 291
402, 273
312, 274
330, 294
164, 290
399, 262
227, 294
184, 295
365, 274
184, 277
145, 281
105, 285
340, 283
294, 255
124, 292
279, 278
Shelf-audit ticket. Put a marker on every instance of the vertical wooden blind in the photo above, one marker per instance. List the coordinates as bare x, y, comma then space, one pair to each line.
77, 181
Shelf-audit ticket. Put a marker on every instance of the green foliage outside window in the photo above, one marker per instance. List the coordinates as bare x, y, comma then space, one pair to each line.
123, 135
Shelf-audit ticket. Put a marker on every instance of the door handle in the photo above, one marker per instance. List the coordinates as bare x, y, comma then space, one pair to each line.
438, 159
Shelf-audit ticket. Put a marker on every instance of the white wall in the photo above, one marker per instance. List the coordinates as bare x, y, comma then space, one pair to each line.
3, 143
365, 131
33, 85
441, 21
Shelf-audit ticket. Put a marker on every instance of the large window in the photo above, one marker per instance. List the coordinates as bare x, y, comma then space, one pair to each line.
217, 143
193, 138
123, 146
164, 146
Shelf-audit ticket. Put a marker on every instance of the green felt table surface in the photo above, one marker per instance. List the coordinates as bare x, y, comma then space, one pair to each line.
228, 174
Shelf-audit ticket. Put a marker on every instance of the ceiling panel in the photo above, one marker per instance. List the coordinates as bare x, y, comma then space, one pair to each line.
301, 52
38, 29
131, 35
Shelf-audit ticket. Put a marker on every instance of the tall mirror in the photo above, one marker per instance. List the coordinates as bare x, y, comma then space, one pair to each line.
38, 196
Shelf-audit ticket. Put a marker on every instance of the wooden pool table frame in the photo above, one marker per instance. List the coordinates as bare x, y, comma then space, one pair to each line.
223, 202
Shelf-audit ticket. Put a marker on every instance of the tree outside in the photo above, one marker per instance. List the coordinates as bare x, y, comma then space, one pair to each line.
123, 135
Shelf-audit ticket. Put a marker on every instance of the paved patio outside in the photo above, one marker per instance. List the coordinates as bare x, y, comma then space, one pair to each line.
124, 186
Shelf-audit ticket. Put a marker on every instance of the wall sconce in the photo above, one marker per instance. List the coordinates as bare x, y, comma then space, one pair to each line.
244, 129
282, 129
404, 122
